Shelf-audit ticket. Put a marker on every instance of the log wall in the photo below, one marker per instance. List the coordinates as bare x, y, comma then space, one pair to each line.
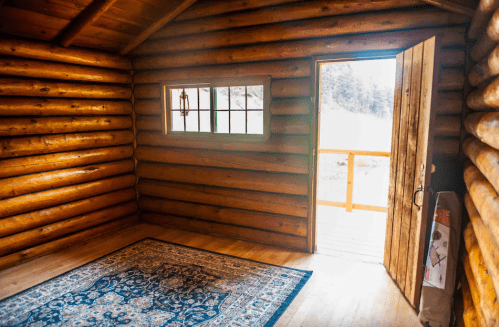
66, 147
221, 187
481, 168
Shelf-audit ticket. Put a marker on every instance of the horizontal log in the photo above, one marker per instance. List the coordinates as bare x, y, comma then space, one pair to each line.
277, 69
488, 248
31, 202
485, 199
446, 147
39, 235
482, 16
55, 125
294, 106
451, 79
298, 87
473, 290
310, 28
485, 69
147, 107
206, 227
249, 161
15, 186
488, 39
147, 91
486, 97
50, 52
20, 223
485, 158
470, 317
488, 298
452, 57
40, 69
34, 145
266, 221
39, 88
276, 143
148, 123
276, 14
240, 179
290, 125
448, 126
61, 243
291, 205
299, 49
449, 103
36, 164
62, 107
485, 126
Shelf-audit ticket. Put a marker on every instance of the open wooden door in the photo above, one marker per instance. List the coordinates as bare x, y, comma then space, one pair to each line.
410, 166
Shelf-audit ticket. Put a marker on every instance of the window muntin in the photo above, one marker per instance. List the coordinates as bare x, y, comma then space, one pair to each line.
218, 108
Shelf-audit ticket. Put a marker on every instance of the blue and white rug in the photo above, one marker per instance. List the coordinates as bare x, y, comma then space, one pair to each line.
154, 283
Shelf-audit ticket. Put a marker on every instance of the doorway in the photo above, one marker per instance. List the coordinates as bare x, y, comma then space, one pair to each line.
356, 99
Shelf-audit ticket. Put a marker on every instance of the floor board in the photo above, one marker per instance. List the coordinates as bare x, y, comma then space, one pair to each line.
341, 291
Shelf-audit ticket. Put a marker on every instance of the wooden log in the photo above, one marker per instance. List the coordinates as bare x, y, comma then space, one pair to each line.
40, 69
448, 126
50, 52
485, 126
275, 14
488, 39
34, 145
36, 164
240, 179
299, 49
488, 248
50, 198
62, 107
148, 123
311, 28
276, 143
56, 125
446, 147
39, 235
291, 205
221, 159
475, 295
485, 158
451, 79
15, 186
52, 246
449, 103
485, 69
482, 16
36, 88
485, 97
485, 199
147, 91
20, 223
290, 125
469, 315
277, 69
147, 107
243, 233
294, 106
488, 297
450, 58
85, 19
452, 6
254, 219
283, 88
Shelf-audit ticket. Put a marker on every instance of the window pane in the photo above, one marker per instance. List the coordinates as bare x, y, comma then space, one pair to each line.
255, 122
205, 121
221, 121
175, 98
222, 98
177, 121
204, 98
237, 98
191, 121
192, 98
238, 122
255, 97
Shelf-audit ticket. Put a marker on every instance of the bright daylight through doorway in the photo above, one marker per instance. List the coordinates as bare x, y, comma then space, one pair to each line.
355, 130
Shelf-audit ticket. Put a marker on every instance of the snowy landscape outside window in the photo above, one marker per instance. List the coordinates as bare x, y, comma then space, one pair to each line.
218, 108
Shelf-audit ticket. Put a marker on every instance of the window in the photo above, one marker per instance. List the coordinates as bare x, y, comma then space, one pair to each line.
218, 108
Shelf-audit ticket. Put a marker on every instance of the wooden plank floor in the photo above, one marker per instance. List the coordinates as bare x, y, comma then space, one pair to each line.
341, 292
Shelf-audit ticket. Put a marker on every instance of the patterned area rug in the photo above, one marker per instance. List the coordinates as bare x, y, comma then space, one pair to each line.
154, 283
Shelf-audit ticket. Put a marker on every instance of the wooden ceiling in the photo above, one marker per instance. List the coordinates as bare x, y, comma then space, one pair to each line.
120, 25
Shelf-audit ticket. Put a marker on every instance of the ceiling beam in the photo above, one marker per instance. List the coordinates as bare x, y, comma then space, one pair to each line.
169, 16
452, 6
86, 18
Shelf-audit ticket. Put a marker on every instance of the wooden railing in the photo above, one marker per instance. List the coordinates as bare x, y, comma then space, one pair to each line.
351, 159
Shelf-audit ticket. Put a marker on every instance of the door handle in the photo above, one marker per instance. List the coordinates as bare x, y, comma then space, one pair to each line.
419, 189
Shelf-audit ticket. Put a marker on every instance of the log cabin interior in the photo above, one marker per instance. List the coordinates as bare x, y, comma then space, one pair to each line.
91, 160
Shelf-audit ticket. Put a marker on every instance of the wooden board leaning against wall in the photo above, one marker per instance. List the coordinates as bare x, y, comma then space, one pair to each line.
198, 185
66, 173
